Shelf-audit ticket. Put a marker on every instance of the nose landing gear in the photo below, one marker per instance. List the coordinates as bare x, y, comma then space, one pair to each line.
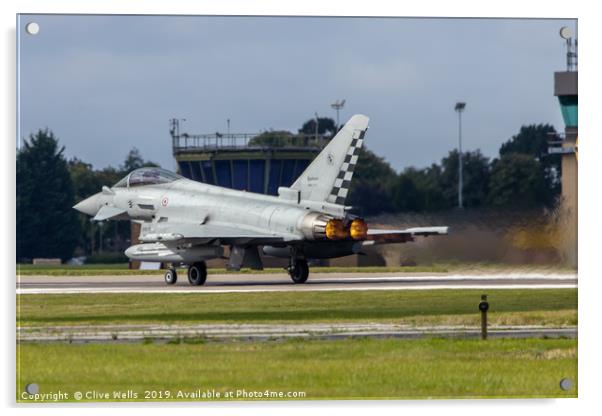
171, 276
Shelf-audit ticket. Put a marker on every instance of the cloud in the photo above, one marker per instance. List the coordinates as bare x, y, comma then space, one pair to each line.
389, 77
107, 83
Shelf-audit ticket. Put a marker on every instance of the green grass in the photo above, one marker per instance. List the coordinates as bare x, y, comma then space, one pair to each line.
428, 306
342, 369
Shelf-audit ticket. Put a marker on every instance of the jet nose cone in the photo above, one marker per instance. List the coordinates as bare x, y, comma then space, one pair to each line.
89, 206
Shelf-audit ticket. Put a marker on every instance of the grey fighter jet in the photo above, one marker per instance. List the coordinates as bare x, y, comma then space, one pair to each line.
188, 222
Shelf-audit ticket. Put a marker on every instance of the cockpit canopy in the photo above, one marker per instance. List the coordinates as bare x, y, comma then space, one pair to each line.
147, 176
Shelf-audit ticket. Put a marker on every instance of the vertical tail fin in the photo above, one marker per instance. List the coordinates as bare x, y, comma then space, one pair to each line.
328, 177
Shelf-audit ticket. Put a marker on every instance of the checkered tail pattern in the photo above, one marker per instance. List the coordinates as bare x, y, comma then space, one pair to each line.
341, 185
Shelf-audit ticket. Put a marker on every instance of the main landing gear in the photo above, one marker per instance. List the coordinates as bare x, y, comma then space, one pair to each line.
197, 274
298, 270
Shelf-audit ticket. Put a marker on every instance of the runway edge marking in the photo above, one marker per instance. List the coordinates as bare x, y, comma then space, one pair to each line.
49, 291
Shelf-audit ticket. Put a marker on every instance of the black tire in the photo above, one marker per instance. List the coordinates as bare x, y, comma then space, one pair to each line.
171, 276
299, 272
197, 273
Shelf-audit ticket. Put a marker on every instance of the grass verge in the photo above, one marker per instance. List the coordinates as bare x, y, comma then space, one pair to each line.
507, 306
342, 369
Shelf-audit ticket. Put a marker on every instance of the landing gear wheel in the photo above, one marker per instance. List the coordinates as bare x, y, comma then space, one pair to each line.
299, 271
197, 273
171, 277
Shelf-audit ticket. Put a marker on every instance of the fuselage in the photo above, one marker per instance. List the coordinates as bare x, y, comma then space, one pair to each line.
193, 202
184, 201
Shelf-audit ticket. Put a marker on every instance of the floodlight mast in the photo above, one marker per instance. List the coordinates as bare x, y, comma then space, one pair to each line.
338, 105
459, 108
174, 126
228, 132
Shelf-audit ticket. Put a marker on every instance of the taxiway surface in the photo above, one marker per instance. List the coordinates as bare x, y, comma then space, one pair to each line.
263, 332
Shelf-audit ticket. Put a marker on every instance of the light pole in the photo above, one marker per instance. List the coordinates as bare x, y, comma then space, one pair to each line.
174, 124
228, 132
459, 108
338, 105
100, 224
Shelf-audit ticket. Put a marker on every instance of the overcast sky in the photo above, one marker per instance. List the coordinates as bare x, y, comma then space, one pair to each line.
105, 84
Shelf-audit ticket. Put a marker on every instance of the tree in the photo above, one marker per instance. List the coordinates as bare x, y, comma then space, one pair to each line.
475, 179
85, 179
428, 181
517, 180
85, 183
326, 127
532, 140
406, 193
372, 183
47, 226
418, 190
134, 160
278, 138
109, 176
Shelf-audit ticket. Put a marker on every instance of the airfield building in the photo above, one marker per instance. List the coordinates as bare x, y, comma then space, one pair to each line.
251, 162
566, 143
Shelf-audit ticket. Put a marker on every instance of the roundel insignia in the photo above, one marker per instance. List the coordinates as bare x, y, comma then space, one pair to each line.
330, 158
164, 201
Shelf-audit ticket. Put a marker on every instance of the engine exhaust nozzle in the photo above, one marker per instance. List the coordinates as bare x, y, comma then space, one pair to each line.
358, 230
336, 230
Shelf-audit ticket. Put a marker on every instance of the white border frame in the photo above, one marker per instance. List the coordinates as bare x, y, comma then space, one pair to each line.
589, 219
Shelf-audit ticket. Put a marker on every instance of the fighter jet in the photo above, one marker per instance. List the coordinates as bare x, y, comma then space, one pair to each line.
184, 222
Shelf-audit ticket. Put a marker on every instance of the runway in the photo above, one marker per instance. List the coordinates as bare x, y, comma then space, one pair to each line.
280, 282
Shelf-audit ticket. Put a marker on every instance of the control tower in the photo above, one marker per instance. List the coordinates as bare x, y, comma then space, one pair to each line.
565, 88
252, 162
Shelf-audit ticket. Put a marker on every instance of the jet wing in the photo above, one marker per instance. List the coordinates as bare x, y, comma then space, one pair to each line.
402, 236
179, 233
